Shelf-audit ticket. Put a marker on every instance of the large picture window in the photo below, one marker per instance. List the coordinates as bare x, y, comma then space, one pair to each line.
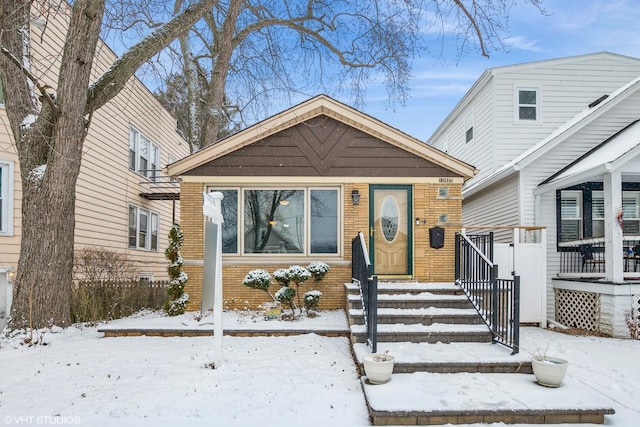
143, 229
144, 155
300, 221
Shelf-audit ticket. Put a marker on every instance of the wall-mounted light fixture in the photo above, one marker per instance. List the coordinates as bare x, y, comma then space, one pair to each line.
355, 197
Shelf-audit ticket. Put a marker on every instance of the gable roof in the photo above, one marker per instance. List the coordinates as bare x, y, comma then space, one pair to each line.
559, 135
314, 107
610, 155
487, 76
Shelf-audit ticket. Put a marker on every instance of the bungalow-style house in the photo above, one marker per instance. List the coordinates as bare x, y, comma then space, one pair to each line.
124, 202
557, 144
299, 186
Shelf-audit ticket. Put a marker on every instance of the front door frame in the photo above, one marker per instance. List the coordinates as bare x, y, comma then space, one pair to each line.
409, 220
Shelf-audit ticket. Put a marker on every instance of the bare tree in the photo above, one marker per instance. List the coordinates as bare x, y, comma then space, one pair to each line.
255, 53
49, 129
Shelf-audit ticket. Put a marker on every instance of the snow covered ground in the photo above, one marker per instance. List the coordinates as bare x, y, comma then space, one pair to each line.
82, 378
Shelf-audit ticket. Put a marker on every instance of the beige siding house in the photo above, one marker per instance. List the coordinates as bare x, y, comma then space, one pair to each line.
130, 140
299, 186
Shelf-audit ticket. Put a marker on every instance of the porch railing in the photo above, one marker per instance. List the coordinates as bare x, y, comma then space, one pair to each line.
496, 300
586, 257
361, 270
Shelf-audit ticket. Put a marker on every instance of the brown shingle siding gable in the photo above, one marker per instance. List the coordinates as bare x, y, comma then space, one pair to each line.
321, 146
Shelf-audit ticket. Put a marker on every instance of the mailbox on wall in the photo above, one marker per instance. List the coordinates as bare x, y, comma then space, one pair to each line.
436, 237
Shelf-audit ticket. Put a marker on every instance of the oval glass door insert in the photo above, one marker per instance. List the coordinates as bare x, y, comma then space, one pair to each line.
389, 218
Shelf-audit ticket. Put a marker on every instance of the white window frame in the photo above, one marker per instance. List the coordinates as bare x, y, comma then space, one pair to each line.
136, 139
151, 216
6, 197
469, 124
517, 105
578, 214
306, 253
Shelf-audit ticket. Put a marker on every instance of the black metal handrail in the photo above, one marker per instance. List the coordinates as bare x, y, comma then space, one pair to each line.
496, 300
361, 274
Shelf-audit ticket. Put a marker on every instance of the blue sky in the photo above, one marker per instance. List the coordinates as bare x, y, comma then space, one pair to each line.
572, 27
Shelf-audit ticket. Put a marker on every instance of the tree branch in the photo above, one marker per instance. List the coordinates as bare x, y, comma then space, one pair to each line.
112, 81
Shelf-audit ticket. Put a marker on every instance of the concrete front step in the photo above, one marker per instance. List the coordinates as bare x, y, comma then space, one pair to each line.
435, 399
411, 288
444, 333
454, 357
421, 300
425, 316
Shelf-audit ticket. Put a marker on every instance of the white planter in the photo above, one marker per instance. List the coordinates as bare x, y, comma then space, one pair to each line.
549, 372
378, 371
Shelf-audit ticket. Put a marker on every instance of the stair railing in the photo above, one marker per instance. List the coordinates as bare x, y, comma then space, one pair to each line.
496, 300
361, 274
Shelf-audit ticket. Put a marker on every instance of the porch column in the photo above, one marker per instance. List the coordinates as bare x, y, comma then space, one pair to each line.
613, 237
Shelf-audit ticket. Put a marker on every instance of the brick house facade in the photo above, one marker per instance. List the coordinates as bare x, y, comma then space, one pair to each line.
320, 154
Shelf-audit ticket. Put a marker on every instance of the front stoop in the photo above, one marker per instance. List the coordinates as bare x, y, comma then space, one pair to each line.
436, 399
447, 371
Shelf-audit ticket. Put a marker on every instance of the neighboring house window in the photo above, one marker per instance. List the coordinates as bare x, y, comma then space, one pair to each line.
144, 155
468, 127
6, 198
527, 101
581, 211
1, 93
631, 212
570, 215
597, 213
293, 221
143, 229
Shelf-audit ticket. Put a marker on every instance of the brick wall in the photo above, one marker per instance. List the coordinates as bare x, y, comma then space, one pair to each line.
429, 265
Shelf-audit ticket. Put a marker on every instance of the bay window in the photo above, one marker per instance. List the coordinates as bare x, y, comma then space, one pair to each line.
300, 221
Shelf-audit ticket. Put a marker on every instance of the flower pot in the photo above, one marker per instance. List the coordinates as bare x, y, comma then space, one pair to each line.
549, 371
378, 368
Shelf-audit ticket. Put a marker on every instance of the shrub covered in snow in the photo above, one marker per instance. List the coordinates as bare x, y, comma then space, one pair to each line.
258, 279
286, 295
282, 276
311, 300
177, 303
318, 269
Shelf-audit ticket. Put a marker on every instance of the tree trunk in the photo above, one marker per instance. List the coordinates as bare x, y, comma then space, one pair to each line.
45, 270
49, 138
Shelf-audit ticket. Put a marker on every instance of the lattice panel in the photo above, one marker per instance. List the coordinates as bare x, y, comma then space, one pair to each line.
577, 309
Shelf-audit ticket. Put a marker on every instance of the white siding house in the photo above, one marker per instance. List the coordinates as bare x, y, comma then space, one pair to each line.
549, 118
128, 137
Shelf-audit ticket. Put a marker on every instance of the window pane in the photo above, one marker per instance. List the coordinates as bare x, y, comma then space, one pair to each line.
143, 225
571, 215
133, 226
230, 226
527, 113
154, 232
527, 97
143, 148
274, 221
571, 230
469, 135
133, 136
154, 160
324, 221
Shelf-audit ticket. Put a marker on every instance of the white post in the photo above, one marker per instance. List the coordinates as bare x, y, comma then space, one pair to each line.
212, 208
613, 241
